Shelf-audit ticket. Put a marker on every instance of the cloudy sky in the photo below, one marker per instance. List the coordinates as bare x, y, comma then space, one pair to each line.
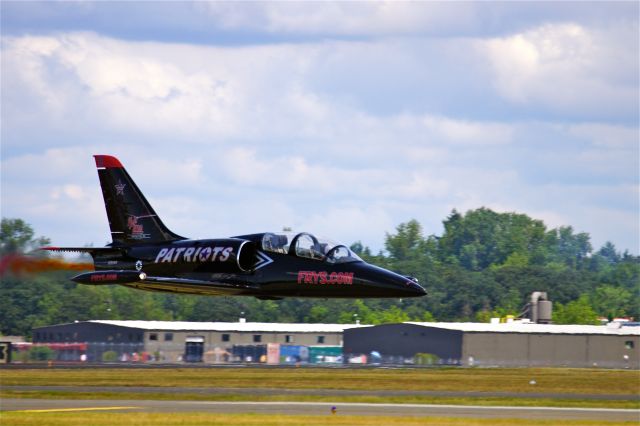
343, 119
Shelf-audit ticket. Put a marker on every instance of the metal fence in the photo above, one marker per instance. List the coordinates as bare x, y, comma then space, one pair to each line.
78, 352
196, 352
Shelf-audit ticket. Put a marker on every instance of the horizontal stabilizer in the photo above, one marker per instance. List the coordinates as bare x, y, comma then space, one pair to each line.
90, 250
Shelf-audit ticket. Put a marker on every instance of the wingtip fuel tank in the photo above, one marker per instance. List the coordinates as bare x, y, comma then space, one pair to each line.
110, 277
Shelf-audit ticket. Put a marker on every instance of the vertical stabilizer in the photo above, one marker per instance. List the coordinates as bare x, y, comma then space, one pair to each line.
131, 218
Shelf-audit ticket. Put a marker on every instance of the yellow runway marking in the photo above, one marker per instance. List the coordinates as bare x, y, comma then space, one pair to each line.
58, 410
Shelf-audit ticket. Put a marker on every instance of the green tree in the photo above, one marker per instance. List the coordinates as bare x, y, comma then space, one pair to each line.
484, 316
392, 315
568, 248
577, 311
17, 236
516, 260
318, 314
407, 242
608, 252
426, 317
610, 301
409, 252
360, 250
482, 238
485, 264
364, 313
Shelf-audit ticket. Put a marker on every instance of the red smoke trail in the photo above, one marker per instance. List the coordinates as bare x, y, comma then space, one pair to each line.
19, 264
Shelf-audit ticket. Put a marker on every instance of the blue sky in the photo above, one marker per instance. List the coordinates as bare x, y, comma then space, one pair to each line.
344, 119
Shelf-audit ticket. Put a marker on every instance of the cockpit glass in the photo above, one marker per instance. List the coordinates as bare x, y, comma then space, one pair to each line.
339, 254
277, 243
308, 246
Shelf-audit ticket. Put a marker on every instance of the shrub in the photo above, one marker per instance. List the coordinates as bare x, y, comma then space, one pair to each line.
41, 353
426, 359
109, 356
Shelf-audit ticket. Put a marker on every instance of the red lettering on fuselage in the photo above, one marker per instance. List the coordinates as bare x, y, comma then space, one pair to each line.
323, 277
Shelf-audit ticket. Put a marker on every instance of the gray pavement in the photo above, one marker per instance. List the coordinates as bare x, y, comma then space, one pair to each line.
316, 392
311, 408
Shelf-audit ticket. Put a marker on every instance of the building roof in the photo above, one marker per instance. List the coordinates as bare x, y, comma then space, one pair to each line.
521, 327
268, 327
262, 327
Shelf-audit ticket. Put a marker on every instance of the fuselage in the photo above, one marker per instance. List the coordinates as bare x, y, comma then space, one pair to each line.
145, 254
250, 266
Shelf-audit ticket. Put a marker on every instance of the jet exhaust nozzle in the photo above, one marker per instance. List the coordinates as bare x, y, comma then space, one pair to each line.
110, 277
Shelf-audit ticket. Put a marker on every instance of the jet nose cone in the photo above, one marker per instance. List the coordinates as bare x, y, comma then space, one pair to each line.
380, 282
414, 288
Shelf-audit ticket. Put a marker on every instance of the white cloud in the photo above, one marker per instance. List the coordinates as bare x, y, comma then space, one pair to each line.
467, 132
91, 84
230, 140
566, 67
348, 223
72, 192
608, 135
345, 18
398, 18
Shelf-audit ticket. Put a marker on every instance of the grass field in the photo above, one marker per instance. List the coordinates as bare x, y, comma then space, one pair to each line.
517, 380
200, 419
574, 382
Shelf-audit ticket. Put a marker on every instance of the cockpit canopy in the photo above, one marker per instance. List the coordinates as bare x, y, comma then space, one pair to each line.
308, 246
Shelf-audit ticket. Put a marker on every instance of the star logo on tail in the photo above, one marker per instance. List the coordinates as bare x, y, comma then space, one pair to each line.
120, 188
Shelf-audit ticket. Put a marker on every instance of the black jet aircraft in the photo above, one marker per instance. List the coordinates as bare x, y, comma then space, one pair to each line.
146, 255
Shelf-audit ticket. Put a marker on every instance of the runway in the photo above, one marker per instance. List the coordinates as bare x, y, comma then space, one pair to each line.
316, 392
316, 408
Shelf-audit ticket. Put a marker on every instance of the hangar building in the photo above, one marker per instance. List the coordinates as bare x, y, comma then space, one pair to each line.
173, 341
507, 344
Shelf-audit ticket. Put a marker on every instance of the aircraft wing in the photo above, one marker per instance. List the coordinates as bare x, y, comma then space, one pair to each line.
195, 286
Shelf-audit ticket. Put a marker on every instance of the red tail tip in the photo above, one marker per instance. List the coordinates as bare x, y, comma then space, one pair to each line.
107, 161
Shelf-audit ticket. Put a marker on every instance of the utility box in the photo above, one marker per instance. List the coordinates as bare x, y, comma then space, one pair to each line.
544, 311
539, 309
